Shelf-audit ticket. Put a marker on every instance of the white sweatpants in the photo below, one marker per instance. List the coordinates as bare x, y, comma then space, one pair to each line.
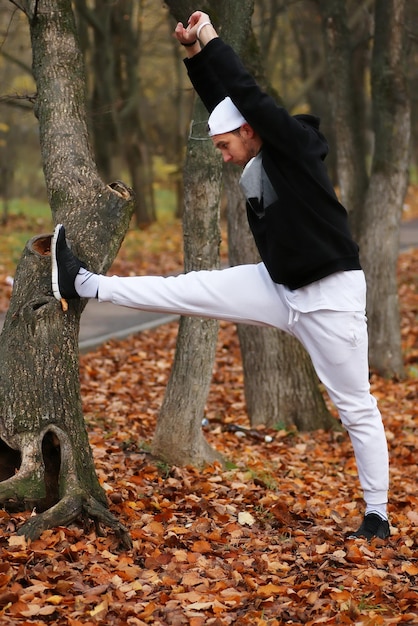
335, 340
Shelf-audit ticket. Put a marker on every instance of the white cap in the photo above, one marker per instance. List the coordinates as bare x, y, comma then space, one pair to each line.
225, 118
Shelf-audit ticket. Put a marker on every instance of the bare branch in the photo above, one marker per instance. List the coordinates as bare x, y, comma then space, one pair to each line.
19, 6
22, 102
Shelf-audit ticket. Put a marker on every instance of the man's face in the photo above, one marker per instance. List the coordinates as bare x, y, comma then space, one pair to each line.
238, 146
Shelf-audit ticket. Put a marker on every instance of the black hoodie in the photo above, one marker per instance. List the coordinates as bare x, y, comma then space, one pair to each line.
304, 235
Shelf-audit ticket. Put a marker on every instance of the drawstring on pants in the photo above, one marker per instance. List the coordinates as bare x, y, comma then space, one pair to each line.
293, 317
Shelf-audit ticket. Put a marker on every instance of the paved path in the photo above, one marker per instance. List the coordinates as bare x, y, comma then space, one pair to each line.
409, 235
101, 322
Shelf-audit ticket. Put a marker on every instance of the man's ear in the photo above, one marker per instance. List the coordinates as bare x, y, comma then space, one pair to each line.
247, 131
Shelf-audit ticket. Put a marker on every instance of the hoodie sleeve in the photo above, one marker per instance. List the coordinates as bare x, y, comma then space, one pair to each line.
291, 136
205, 81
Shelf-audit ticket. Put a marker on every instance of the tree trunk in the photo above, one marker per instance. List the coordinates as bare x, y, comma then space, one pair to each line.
281, 386
182, 105
135, 147
388, 184
41, 422
103, 115
178, 437
348, 129
375, 202
117, 127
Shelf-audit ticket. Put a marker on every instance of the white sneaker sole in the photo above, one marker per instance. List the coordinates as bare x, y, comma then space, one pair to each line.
55, 283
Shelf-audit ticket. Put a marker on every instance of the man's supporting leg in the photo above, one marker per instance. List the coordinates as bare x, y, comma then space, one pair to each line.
338, 345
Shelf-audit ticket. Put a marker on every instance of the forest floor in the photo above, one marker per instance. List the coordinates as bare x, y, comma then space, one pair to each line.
262, 542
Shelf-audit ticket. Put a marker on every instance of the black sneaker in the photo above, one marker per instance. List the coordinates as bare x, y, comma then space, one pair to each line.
65, 266
372, 526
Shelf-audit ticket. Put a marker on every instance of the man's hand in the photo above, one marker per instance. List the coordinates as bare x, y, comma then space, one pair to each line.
190, 36
202, 28
184, 35
197, 18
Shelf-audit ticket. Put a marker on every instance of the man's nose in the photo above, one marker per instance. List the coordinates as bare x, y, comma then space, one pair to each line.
226, 157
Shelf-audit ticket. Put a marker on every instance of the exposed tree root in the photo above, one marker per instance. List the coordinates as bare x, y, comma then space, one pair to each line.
199, 454
68, 510
14, 488
36, 486
99, 513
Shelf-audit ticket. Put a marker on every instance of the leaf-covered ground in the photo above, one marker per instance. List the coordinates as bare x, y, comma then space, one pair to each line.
259, 543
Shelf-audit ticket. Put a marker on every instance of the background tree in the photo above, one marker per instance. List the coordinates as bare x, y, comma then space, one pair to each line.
15, 132
374, 199
411, 25
41, 422
379, 240
307, 86
117, 96
178, 437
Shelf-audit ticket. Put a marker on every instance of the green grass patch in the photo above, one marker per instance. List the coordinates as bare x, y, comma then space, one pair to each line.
32, 209
26, 218
165, 203
413, 175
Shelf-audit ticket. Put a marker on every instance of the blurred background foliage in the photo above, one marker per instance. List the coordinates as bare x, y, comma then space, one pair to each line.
139, 99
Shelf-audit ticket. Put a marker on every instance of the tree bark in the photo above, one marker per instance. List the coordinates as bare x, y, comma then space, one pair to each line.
178, 437
348, 129
388, 184
41, 422
374, 201
115, 98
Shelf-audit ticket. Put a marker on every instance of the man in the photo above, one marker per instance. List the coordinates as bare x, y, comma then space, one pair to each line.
310, 282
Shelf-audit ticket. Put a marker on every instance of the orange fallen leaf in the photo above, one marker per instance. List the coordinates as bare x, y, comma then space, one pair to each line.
270, 590
201, 546
410, 568
354, 554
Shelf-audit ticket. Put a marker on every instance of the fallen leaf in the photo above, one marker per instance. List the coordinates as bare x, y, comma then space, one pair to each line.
245, 518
